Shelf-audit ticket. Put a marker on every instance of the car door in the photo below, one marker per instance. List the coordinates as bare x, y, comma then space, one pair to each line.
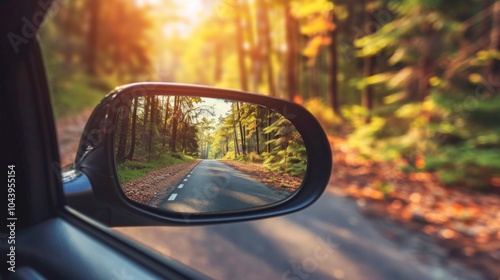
44, 239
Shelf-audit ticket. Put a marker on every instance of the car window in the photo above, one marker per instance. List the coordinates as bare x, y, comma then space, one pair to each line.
407, 92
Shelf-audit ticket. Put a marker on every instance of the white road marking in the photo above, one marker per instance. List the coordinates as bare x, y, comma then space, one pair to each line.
185, 180
181, 186
189, 176
172, 197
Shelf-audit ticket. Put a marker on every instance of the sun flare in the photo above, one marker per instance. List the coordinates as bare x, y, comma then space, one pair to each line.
180, 16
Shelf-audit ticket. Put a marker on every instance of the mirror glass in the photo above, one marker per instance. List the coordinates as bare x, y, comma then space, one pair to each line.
204, 155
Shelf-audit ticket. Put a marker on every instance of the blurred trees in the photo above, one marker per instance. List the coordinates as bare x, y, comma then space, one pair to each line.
108, 39
240, 135
93, 46
413, 81
145, 133
146, 126
434, 89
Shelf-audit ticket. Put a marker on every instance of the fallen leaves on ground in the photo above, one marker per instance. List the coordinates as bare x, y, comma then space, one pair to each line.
157, 184
270, 178
467, 222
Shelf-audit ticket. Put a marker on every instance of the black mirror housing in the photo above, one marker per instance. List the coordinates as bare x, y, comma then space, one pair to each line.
95, 160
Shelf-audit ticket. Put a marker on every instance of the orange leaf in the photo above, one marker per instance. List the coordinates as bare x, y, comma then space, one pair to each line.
298, 99
495, 181
420, 162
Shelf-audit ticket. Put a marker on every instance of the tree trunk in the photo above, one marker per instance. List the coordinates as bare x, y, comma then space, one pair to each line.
255, 56
368, 70
242, 134
166, 122
268, 135
264, 32
146, 114
257, 136
92, 36
348, 24
291, 52
494, 69
333, 82
423, 63
184, 143
175, 123
152, 122
239, 46
236, 147
122, 138
130, 155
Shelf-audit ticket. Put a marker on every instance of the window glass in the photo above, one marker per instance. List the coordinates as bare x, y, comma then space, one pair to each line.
406, 90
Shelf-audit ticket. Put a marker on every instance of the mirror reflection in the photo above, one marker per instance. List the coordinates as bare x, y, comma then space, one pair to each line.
200, 155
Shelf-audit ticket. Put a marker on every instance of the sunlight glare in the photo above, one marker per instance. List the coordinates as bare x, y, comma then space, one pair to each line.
142, 3
191, 14
190, 9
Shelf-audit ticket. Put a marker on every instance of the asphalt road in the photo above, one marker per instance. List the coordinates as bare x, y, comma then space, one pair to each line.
329, 240
213, 186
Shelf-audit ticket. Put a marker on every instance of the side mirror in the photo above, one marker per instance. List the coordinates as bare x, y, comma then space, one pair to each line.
158, 153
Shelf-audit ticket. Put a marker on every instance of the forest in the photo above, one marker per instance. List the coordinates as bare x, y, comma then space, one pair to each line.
408, 81
154, 130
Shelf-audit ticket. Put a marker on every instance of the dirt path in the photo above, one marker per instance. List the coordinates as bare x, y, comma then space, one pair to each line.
157, 184
69, 130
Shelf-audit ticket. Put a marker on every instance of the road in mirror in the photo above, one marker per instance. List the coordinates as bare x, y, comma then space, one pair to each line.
205, 155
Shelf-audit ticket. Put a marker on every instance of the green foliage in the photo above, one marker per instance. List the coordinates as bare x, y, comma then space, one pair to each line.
440, 102
251, 133
254, 157
467, 140
289, 152
131, 170
459, 142
70, 98
323, 114
465, 164
229, 155
71, 90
